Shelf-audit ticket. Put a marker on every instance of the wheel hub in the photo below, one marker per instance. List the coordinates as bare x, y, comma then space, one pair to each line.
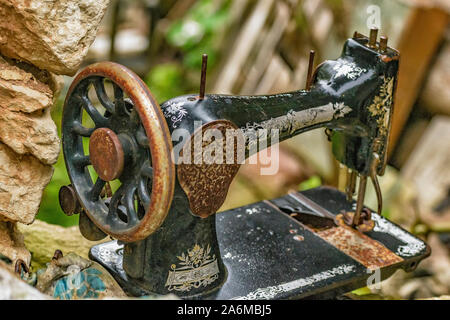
106, 154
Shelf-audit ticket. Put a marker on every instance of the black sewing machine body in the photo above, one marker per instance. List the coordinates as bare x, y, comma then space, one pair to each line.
352, 96
271, 249
267, 254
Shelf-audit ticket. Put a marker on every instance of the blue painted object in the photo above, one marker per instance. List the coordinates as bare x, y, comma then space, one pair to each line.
83, 285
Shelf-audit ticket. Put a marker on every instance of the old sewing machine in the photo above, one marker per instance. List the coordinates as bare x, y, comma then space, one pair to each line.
127, 182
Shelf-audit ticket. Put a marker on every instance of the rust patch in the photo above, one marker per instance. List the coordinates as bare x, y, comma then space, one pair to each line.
106, 154
360, 247
386, 58
68, 200
204, 180
365, 224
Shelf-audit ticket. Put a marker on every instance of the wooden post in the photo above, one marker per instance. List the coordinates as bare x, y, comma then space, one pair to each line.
422, 34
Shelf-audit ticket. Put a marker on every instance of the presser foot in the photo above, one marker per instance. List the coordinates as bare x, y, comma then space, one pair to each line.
365, 223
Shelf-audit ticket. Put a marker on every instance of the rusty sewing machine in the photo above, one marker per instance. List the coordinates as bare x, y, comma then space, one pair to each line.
126, 182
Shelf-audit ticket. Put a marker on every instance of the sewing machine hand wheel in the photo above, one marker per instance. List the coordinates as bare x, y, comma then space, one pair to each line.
129, 146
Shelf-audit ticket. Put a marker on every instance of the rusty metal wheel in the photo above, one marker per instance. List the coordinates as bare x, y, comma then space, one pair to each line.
113, 130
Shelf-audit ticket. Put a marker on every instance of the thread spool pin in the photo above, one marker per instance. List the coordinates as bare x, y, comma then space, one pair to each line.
373, 37
310, 69
383, 43
203, 76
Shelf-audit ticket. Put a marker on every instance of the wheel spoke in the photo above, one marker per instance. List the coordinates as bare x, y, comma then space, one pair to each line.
129, 205
141, 138
118, 92
79, 129
99, 86
147, 171
81, 160
135, 121
95, 115
143, 193
96, 190
119, 102
113, 207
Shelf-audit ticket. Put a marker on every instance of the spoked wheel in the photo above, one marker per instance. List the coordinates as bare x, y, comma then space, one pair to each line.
114, 133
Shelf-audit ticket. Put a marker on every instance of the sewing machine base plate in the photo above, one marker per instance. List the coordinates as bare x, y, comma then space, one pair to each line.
270, 254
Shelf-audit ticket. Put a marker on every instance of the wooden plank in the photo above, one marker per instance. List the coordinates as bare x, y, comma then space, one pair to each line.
420, 39
243, 46
428, 166
266, 52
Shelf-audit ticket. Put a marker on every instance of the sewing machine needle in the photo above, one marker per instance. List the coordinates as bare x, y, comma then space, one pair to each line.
360, 200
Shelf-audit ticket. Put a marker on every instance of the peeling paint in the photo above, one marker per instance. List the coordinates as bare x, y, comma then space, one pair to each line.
412, 246
295, 120
273, 291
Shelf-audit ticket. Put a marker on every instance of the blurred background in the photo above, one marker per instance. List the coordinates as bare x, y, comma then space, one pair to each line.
262, 47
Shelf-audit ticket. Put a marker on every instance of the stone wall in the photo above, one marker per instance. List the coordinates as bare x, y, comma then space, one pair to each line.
40, 40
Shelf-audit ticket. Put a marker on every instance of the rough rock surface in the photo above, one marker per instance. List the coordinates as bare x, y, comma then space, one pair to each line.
42, 239
22, 181
53, 35
26, 95
34, 134
12, 288
12, 245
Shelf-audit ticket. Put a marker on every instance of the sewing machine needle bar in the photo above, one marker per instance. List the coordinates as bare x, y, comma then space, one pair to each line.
360, 200
351, 185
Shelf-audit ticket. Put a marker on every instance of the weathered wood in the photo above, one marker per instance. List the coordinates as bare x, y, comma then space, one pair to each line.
242, 47
427, 167
282, 18
420, 39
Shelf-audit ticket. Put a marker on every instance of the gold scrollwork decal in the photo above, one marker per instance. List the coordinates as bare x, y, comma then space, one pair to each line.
195, 269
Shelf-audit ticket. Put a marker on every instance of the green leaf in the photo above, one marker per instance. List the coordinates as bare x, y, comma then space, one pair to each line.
312, 182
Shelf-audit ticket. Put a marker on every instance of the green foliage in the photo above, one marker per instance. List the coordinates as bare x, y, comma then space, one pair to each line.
165, 81
50, 210
198, 31
362, 291
312, 182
